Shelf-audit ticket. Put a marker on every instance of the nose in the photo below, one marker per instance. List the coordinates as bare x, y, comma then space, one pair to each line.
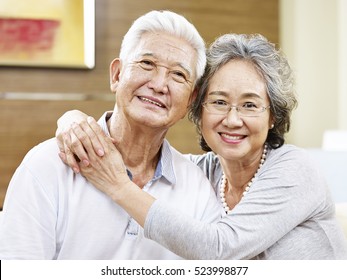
159, 80
232, 118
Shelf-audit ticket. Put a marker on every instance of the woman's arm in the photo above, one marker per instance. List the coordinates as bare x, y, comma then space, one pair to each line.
108, 173
287, 192
82, 144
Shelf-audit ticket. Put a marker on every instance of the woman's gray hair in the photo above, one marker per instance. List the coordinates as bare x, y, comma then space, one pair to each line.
272, 66
171, 23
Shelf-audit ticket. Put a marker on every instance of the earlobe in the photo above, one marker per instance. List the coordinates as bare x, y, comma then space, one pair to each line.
272, 122
115, 68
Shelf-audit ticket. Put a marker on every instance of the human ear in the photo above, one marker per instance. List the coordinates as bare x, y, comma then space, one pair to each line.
115, 68
272, 123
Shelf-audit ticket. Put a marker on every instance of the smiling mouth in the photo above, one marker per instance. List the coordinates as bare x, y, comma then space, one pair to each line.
151, 101
232, 137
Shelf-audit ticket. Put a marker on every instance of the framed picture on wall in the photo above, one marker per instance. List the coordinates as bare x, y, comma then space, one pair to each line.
47, 33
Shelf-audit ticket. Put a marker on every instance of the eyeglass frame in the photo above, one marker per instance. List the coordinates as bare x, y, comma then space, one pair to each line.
230, 107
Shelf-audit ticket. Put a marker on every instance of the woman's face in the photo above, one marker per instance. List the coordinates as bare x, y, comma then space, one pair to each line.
230, 135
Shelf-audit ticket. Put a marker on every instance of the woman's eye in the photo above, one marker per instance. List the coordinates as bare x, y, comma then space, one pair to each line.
219, 102
249, 105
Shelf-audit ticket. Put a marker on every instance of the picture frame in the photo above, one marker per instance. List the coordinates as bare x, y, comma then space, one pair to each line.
47, 33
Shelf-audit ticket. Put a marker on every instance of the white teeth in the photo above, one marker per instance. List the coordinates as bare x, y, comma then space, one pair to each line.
151, 101
231, 137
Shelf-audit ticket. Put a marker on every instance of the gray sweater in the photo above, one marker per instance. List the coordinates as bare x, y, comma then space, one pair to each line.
287, 214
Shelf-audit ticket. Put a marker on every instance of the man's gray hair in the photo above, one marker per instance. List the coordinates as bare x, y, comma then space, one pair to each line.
171, 23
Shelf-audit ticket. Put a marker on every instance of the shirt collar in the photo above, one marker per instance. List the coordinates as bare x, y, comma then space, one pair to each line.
165, 164
103, 122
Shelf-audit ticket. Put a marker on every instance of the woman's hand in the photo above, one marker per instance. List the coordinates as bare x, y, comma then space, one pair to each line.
84, 146
76, 136
107, 173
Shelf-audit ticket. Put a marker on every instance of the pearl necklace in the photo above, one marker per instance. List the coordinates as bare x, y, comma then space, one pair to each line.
223, 183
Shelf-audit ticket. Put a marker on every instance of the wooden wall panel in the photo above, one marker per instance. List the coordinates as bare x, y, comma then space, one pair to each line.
24, 123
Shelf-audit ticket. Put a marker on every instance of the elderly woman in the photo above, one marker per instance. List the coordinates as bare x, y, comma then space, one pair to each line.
276, 203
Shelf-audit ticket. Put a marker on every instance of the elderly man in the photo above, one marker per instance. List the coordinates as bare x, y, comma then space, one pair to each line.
50, 212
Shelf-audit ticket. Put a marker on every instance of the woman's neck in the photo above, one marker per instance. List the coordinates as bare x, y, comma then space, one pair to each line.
238, 177
240, 172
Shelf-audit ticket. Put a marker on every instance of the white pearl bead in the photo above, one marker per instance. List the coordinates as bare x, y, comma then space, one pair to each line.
224, 182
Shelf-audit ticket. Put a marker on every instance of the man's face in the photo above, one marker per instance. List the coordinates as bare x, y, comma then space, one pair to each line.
154, 86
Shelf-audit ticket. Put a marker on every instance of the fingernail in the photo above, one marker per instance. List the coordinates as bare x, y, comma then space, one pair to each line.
100, 152
62, 156
85, 162
76, 170
90, 119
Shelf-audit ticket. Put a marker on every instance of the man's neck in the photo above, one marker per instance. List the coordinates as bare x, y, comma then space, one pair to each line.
139, 146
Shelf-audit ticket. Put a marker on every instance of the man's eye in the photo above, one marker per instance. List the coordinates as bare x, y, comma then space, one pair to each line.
147, 64
179, 76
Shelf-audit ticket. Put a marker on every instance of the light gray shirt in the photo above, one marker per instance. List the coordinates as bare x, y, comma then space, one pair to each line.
287, 214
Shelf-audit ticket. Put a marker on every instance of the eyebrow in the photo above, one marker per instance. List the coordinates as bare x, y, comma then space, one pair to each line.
186, 69
244, 95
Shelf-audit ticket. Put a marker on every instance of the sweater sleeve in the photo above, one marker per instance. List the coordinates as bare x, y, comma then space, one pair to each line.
180, 233
287, 191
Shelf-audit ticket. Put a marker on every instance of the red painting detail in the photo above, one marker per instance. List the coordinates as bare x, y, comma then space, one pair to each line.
27, 35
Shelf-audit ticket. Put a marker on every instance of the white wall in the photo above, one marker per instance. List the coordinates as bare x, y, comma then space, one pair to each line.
342, 33
313, 34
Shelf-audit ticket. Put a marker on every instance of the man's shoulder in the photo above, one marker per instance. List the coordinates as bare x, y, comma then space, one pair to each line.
177, 156
183, 164
43, 154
